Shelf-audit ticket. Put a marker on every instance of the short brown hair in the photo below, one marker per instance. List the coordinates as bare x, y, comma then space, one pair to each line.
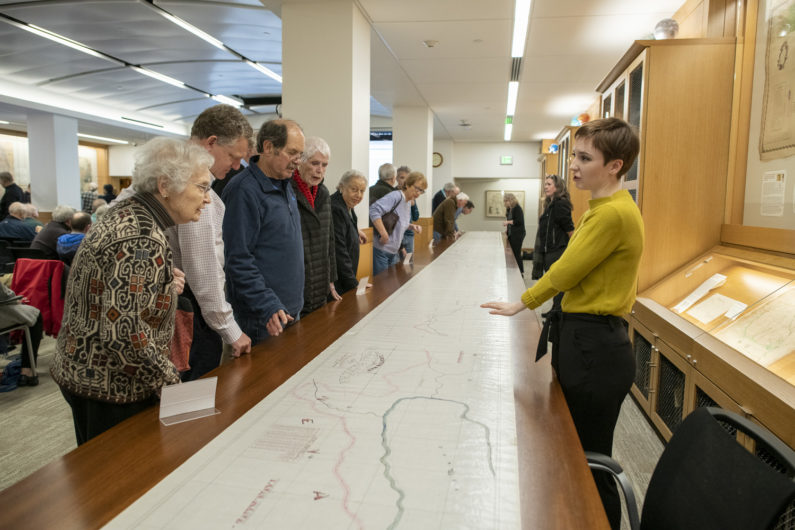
415, 177
275, 132
614, 138
224, 122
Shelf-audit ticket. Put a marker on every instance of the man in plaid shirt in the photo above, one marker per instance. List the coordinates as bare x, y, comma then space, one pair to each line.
88, 197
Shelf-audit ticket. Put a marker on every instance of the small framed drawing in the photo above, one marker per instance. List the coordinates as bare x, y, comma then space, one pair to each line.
494, 202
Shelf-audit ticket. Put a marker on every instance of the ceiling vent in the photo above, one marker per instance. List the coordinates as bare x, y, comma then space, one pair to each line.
516, 67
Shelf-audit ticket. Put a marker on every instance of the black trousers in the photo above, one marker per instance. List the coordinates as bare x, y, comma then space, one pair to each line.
515, 240
596, 367
36, 331
92, 417
207, 345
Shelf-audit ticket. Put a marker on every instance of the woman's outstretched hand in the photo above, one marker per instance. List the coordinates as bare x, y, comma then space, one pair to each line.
507, 309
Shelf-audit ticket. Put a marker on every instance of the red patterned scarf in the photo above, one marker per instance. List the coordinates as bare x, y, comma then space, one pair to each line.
309, 193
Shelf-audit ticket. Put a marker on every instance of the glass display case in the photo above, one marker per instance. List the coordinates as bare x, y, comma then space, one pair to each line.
719, 331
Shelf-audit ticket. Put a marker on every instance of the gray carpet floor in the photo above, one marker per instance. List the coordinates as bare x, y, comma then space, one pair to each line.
36, 427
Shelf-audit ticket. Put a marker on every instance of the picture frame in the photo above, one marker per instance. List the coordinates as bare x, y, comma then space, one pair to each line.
494, 202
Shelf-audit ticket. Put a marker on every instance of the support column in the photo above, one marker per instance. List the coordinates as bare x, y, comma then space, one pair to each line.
326, 88
54, 165
412, 141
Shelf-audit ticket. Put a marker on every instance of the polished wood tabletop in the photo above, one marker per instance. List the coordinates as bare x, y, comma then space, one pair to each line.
89, 486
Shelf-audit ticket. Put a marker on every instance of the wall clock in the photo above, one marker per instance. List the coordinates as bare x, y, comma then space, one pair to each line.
437, 159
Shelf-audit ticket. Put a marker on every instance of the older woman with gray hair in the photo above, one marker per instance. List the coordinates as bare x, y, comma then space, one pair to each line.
111, 357
347, 236
317, 227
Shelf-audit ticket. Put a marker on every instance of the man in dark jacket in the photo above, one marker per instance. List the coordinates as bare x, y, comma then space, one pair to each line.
262, 235
13, 193
47, 239
387, 181
449, 190
14, 227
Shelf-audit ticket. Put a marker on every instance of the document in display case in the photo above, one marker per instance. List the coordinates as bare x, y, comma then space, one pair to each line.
719, 330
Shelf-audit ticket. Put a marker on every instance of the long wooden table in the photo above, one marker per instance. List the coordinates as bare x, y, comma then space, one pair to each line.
89, 486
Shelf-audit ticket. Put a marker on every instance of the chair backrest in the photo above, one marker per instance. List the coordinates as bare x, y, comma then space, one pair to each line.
29, 253
705, 479
7, 259
42, 282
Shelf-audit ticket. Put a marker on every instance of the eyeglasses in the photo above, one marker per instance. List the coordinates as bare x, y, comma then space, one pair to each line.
204, 187
420, 190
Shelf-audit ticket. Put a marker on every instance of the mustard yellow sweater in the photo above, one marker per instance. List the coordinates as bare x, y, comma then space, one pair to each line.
599, 269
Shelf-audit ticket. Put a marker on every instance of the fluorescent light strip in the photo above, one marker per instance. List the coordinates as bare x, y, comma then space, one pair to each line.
193, 29
267, 71
3, 122
521, 19
160, 77
60, 39
508, 132
513, 93
229, 101
102, 138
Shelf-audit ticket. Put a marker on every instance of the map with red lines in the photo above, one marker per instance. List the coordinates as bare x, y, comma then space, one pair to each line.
407, 421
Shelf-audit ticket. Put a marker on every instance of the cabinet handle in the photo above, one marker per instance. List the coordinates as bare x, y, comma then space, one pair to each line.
689, 357
695, 361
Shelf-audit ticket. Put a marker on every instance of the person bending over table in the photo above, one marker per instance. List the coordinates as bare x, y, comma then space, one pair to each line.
387, 244
111, 357
598, 272
347, 236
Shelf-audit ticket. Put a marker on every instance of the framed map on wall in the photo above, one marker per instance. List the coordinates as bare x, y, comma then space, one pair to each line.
494, 204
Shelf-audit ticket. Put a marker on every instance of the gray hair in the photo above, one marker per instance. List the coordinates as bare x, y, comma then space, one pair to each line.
349, 176
462, 197
62, 213
404, 169
92, 186
32, 210
17, 209
6, 177
173, 160
102, 210
315, 144
450, 186
386, 172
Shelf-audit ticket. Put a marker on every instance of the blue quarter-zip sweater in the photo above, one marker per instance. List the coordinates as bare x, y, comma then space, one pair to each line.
263, 250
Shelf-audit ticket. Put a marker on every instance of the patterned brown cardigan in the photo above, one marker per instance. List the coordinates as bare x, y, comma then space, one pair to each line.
120, 305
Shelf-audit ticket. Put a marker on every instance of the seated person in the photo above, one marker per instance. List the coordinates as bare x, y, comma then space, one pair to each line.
32, 218
13, 226
95, 206
69, 243
16, 313
47, 239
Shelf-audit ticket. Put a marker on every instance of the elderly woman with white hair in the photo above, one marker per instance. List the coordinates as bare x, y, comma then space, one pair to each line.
111, 357
317, 226
348, 237
47, 239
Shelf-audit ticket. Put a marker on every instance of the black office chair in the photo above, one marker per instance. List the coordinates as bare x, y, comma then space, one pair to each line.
7, 259
25, 252
705, 479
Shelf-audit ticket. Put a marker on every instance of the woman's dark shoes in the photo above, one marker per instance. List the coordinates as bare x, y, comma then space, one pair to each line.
28, 380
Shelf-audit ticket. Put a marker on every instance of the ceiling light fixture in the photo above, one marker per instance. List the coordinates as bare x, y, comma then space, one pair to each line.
60, 39
513, 93
102, 138
227, 100
193, 29
521, 19
267, 71
508, 128
3, 122
160, 77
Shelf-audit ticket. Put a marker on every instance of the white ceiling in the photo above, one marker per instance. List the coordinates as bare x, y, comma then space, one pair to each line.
571, 46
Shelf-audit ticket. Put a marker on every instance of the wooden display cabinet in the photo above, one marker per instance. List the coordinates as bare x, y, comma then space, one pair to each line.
732, 346
678, 93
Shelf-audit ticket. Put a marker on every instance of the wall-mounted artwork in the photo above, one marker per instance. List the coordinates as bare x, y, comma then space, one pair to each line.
494, 205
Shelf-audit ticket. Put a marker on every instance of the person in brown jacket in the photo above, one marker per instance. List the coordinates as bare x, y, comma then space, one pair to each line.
444, 216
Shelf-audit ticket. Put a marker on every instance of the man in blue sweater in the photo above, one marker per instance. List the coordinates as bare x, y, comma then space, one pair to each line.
263, 250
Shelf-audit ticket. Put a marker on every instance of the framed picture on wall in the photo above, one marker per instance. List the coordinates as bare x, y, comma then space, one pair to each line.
494, 204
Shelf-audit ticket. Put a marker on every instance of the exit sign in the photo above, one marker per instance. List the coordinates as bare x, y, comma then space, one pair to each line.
506, 160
